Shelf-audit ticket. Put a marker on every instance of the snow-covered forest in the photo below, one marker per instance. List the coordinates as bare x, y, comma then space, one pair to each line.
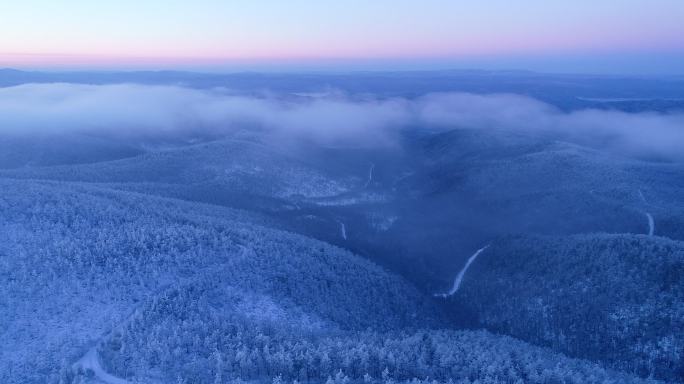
166, 234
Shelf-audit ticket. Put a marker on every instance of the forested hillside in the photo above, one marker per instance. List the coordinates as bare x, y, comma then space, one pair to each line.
232, 165
171, 290
617, 298
233, 335
220, 236
76, 260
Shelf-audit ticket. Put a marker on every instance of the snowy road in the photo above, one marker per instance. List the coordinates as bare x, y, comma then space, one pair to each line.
651, 224
641, 196
91, 361
343, 230
649, 217
459, 277
370, 176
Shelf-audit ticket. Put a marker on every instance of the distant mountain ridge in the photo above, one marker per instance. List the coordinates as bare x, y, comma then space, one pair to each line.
561, 90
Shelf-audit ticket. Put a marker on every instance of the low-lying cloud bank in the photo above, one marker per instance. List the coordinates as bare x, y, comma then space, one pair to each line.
159, 111
654, 135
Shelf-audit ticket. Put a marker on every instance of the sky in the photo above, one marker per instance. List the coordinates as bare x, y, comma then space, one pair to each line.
611, 36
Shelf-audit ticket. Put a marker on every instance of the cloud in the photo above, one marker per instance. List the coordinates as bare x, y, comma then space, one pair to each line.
653, 135
164, 112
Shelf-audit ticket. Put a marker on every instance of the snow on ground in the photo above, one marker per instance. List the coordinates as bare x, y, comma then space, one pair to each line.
364, 198
343, 230
651, 224
459, 277
91, 362
370, 176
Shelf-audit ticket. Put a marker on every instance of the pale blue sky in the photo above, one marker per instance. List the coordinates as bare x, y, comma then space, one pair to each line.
211, 33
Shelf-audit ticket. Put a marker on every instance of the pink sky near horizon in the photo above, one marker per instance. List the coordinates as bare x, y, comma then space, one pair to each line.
214, 33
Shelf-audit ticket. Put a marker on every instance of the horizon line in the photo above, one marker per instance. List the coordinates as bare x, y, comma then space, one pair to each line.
323, 71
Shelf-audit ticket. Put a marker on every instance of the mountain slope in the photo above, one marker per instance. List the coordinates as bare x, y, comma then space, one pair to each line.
233, 334
77, 260
617, 298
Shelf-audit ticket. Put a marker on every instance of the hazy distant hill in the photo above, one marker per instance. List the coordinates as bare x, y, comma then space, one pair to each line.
567, 91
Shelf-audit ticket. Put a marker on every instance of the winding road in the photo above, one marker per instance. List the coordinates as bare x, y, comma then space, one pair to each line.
459, 277
91, 362
651, 224
343, 230
370, 175
649, 217
641, 196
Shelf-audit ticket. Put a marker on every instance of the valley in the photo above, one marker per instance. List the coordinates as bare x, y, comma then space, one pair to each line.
442, 253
